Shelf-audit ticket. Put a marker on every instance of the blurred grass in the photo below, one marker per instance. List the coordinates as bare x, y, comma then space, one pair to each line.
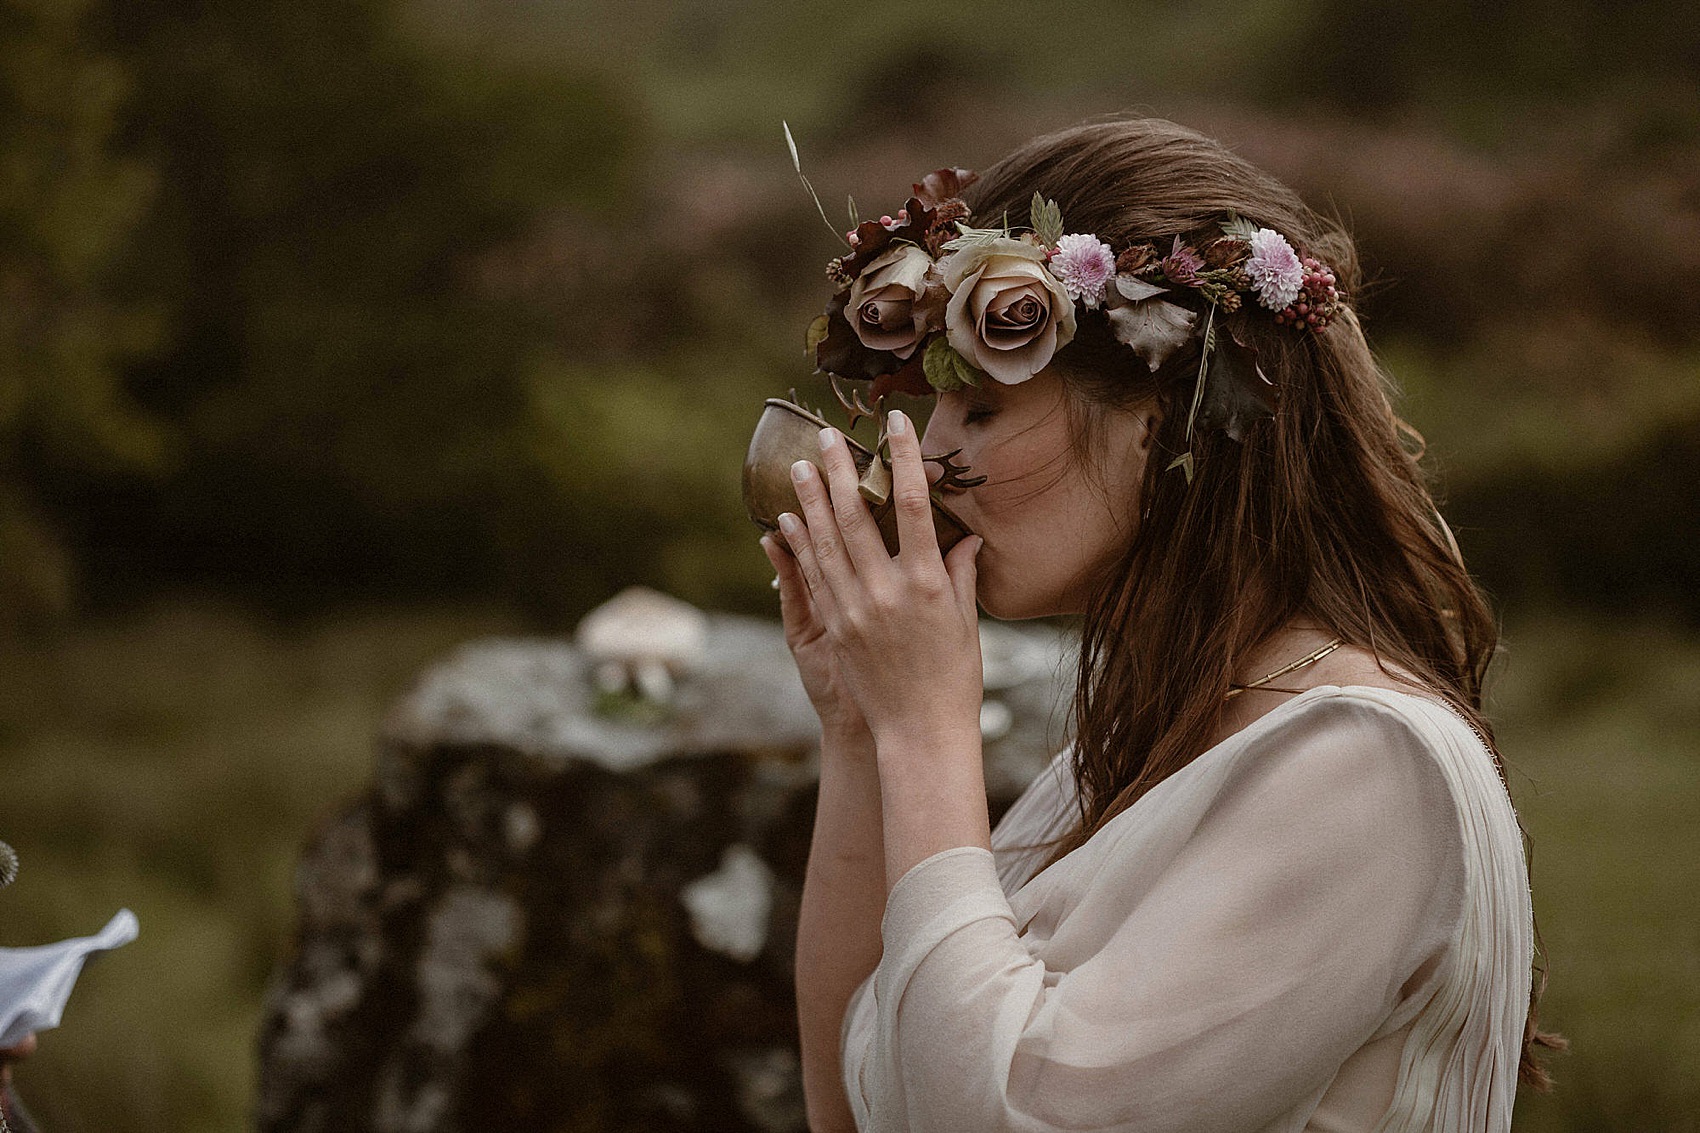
1601, 728
1547, 399
173, 762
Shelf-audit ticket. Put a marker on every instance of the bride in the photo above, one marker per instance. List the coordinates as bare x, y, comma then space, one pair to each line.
1274, 881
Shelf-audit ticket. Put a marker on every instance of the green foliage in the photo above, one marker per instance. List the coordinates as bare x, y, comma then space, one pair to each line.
339, 367
946, 369
969, 237
1046, 220
634, 477
68, 207
797, 164
1238, 226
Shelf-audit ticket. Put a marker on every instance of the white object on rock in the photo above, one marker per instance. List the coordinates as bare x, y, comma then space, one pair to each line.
652, 636
1011, 656
996, 719
729, 907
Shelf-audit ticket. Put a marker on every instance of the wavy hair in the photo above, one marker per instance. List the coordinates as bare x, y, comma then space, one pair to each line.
1331, 513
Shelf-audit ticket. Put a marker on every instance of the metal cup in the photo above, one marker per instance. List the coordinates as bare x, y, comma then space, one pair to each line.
786, 433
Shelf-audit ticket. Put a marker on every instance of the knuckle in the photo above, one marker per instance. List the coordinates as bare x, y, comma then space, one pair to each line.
931, 584
913, 500
851, 515
854, 621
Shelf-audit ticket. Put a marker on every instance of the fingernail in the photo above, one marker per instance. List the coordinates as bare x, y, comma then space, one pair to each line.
826, 438
788, 523
802, 470
896, 424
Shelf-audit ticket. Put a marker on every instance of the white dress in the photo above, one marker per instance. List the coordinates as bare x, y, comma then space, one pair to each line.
1322, 923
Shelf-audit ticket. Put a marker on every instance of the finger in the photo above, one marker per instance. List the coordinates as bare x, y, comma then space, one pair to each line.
827, 563
801, 542
795, 612
918, 543
856, 527
964, 568
23, 1048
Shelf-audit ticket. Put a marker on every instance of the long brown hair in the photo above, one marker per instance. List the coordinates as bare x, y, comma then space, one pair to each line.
1321, 512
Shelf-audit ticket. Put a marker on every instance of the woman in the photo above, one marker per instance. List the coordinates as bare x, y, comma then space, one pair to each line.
13, 1117
1274, 881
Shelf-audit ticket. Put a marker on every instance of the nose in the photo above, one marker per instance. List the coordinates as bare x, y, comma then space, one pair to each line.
934, 442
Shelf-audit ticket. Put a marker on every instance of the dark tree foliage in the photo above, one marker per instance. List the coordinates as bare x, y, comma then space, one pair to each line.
68, 206
346, 393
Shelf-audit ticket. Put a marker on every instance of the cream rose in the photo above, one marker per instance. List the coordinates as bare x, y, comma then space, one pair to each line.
883, 307
1007, 313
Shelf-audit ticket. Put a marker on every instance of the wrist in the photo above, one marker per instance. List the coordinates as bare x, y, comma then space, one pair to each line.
850, 737
934, 730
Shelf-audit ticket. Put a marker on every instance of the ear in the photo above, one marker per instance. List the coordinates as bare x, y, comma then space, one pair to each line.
1150, 420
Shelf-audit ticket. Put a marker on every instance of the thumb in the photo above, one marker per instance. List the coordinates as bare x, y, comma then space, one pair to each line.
963, 566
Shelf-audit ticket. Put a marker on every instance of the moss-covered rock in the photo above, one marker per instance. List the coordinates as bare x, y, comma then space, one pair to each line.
540, 917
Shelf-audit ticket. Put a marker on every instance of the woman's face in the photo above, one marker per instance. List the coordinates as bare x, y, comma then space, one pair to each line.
1049, 529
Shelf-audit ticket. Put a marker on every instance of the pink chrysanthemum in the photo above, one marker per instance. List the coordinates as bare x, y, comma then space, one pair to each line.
1274, 269
1084, 265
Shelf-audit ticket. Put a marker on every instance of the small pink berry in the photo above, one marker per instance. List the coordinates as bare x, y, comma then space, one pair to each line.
903, 214
1313, 318
886, 220
855, 239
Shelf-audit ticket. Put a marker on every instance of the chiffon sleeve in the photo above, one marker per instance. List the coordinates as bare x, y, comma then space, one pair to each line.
1302, 888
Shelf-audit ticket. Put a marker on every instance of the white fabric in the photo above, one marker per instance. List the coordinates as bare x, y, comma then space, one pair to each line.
36, 982
1323, 923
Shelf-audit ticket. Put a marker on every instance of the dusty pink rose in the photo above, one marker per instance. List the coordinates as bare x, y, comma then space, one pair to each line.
882, 306
1007, 313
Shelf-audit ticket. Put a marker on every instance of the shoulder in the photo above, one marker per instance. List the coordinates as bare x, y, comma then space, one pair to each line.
1359, 765
1363, 726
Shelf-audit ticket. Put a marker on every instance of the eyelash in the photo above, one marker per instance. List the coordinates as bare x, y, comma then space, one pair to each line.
976, 415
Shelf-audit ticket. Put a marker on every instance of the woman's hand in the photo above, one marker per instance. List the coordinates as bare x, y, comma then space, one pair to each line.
23, 1048
903, 632
805, 634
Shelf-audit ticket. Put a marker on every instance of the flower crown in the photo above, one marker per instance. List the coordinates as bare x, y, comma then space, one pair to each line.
926, 302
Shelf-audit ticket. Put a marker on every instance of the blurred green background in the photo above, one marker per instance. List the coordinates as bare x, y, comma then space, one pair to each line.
336, 332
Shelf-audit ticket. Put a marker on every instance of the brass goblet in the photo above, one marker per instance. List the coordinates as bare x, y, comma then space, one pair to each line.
786, 433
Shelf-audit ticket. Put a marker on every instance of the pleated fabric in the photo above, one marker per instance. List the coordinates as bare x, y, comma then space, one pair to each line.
1322, 923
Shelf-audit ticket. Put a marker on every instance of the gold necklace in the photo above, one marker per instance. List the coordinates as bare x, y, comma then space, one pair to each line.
1308, 659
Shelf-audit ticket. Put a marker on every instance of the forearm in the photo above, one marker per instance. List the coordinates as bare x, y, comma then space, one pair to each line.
838, 928
933, 794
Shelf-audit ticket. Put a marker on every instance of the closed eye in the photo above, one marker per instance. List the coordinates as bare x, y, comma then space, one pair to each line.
974, 416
